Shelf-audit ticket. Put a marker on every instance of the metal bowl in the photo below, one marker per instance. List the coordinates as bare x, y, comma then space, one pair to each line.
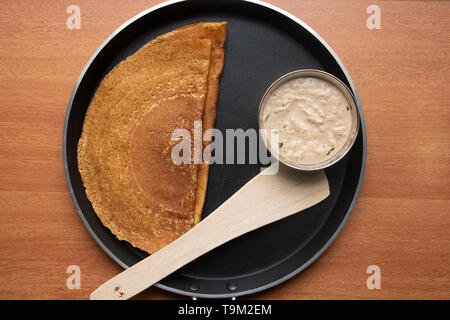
351, 102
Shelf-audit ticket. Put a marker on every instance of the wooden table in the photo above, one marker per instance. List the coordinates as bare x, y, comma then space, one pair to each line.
401, 221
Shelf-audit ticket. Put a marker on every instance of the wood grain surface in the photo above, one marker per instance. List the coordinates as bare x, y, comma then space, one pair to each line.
401, 221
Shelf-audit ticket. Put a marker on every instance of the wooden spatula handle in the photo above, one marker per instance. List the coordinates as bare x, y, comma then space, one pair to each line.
265, 199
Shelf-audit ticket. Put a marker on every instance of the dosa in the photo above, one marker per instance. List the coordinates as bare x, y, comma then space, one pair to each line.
124, 153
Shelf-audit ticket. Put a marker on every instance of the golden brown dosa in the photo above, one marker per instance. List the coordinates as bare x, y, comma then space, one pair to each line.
124, 153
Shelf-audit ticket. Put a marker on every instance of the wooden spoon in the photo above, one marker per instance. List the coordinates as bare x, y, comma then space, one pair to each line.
264, 199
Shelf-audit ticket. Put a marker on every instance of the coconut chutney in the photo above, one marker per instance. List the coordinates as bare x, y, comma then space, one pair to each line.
312, 118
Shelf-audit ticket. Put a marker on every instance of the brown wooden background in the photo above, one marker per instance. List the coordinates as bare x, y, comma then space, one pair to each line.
401, 221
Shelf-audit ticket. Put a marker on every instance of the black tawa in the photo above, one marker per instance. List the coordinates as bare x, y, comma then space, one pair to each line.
263, 44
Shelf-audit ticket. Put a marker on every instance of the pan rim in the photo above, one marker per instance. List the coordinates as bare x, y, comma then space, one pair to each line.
318, 253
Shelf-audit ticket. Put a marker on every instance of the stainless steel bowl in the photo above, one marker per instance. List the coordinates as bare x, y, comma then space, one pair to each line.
351, 102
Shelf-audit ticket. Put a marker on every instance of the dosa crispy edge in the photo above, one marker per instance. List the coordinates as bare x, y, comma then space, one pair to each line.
124, 153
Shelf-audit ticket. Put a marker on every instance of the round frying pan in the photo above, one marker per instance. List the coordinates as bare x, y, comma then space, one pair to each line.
264, 43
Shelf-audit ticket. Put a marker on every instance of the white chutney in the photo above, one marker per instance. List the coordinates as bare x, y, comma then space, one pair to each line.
312, 117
